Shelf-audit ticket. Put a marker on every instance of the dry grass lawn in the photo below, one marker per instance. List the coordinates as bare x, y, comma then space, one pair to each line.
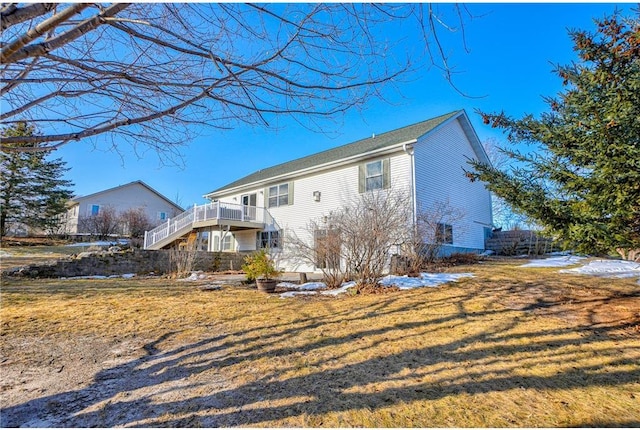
511, 347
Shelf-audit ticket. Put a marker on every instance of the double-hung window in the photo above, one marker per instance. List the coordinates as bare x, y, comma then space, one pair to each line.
227, 242
226, 245
373, 175
95, 210
280, 195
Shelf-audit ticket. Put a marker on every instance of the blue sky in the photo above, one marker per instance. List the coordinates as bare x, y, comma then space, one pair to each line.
511, 52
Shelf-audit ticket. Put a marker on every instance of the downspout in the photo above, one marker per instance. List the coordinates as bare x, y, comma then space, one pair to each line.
409, 150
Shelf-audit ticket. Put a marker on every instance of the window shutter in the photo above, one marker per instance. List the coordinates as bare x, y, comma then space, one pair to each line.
361, 178
386, 177
290, 193
265, 197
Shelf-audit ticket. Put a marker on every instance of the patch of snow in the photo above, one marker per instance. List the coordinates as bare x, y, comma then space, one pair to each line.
608, 268
4, 253
289, 294
129, 275
559, 261
310, 286
343, 289
101, 243
303, 287
402, 282
195, 276
425, 280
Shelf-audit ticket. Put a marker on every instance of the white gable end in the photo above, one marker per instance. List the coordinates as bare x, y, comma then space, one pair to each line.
440, 158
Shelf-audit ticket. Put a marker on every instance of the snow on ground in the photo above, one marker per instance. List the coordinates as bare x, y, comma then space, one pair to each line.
303, 287
607, 268
195, 276
425, 280
560, 261
101, 243
402, 282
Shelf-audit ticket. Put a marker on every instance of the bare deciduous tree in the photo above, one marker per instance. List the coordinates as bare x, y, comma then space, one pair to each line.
103, 224
321, 248
147, 73
135, 222
370, 227
433, 229
182, 259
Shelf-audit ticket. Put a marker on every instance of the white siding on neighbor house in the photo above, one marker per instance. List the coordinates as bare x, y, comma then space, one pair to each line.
439, 162
131, 196
337, 188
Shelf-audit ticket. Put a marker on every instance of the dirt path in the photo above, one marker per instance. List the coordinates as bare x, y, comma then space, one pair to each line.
94, 382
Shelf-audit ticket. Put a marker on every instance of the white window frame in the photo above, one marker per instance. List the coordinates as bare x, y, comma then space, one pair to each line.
227, 242
280, 195
369, 185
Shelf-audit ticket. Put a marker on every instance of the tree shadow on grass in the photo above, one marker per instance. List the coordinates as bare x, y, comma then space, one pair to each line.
184, 386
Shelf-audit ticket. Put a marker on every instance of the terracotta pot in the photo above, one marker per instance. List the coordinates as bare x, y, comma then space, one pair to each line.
266, 285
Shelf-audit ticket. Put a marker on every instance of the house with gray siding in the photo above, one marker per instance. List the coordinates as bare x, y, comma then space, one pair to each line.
425, 160
133, 195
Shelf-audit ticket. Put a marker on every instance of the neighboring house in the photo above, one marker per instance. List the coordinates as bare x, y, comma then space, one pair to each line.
133, 195
425, 159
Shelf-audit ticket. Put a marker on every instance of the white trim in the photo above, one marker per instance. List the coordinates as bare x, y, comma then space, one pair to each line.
315, 169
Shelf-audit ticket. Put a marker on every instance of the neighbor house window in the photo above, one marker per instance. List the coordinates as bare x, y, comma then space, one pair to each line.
95, 210
280, 195
162, 216
444, 233
268, 239
373, 176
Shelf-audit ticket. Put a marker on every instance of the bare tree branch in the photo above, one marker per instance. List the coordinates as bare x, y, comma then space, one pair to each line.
39, 30
11, 56
156, 70
12, 15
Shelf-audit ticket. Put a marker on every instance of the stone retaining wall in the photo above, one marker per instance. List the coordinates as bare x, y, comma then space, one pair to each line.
141, 262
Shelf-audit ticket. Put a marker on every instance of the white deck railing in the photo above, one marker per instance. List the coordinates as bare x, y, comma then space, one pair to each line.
206, 212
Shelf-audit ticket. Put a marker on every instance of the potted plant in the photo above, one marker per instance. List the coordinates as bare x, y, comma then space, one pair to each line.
260, 266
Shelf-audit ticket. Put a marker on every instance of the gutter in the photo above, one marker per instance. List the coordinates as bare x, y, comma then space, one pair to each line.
314, 169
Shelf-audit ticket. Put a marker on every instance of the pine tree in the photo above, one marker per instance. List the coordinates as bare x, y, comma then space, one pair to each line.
32, 190
581, 179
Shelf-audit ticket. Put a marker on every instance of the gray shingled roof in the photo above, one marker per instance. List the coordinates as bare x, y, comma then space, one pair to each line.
363, 146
